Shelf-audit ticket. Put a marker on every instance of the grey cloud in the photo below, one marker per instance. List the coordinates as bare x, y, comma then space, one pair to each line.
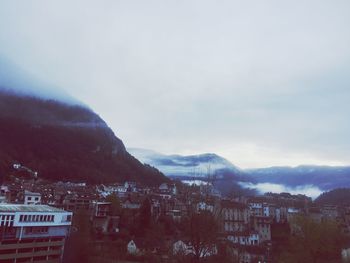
259, 82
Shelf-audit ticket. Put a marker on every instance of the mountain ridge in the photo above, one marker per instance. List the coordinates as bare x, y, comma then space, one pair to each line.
64, 141
176, 165
323, 176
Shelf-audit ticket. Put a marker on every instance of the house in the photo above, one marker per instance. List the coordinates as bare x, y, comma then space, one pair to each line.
77, 201
208, 206
102, 221
119, 190
5, 194
168, 189
132, 248
155, 208
130, 186
130, 204
101, 209
174, 214
345, 253
31, 198
251, 254
292, 212
315, 214
244, 238
259, 206
330, 212
175, 208
181, 248
139, 246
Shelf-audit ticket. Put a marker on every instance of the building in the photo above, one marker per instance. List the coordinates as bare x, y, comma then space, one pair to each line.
235, 216
101, 219
168, 189
75, 202
262, 225
31, 198
32, 233
131, 204
208, 206
181, 248
251, 254
132, 248
244, 238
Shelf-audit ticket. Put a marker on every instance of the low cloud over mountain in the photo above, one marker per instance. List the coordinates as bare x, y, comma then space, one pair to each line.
307, 179
59, 137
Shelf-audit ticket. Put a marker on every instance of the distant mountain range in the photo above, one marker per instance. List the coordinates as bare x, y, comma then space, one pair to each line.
324, 177
196, 166
64, 141
187, 167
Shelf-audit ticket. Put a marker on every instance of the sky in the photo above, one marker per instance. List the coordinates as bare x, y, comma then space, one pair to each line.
261, 83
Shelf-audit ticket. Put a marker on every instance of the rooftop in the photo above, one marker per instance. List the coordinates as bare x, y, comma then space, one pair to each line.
28, 208
31, 193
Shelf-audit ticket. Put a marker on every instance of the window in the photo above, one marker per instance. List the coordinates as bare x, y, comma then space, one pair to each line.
36, 230
8, 251
28, 230
23, 260
41, 258
25, 250
29, 198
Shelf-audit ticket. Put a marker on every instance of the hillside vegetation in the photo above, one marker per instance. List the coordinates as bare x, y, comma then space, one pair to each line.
65, 142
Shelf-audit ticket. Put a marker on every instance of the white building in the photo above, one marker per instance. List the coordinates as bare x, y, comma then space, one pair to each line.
34, 233
244, 238
132, 248
201, 206
31, 198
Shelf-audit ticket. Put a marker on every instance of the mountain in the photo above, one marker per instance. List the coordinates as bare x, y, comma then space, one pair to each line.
340, 196
64, 141
324, 177
187, 167
197, 167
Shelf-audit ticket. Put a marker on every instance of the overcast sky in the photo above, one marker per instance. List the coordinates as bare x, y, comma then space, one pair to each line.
261, 83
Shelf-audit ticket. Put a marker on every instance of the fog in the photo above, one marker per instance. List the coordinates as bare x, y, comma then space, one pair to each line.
260, 83
308, 190
14, 79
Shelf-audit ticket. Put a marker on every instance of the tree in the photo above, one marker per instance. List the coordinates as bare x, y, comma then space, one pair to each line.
313, 242
145, 217
203, 234
78, 245
115, 204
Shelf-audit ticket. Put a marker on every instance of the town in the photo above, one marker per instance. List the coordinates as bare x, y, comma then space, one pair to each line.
44, 221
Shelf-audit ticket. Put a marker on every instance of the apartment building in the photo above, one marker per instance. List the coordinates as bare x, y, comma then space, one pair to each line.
32, 233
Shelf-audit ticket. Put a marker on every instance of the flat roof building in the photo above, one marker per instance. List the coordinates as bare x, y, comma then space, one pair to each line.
32, 233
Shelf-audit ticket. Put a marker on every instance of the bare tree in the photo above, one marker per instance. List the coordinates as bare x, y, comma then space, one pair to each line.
203, 233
